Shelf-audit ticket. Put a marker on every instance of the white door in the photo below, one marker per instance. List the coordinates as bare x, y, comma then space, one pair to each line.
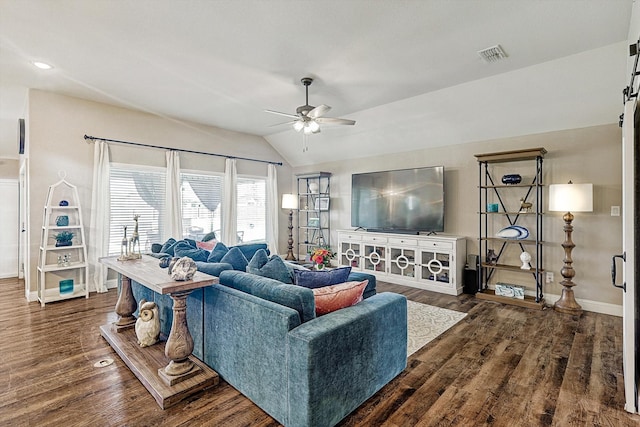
9, 228
630, 240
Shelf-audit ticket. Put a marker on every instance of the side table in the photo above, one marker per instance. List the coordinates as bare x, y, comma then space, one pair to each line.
168, 370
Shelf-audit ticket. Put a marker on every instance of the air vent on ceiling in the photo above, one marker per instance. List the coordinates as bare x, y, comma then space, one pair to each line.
492, 54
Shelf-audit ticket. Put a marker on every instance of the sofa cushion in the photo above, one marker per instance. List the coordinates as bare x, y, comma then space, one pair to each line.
209, 236
167, 247
295, 297
274, 268
184, 248
236, 258
213, 268
335, 297
249, 249
259, 259
218, 252
317, 279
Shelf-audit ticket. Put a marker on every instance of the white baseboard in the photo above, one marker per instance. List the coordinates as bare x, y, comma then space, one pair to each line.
588, 305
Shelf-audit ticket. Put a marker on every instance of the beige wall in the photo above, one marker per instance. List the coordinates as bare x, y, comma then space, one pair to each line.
9, 168
587, 155
57, 125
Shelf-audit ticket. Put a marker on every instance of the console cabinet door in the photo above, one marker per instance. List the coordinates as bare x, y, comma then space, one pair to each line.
375, 258
350, 250
435, 266
402, 262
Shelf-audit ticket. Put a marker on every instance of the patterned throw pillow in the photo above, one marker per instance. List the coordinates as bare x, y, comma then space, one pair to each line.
317, 279
335, 297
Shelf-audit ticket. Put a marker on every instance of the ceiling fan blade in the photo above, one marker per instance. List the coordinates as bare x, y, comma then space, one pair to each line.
284, 123
293, 116
335, 121
319, 111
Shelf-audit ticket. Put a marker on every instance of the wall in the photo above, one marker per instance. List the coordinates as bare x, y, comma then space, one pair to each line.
9, 168
56, 127
583, 155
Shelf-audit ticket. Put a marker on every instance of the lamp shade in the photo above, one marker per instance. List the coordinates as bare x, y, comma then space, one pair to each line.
571, 197
289, 201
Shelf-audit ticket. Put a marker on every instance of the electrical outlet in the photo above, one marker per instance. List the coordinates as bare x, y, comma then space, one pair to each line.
615, 210
549, 277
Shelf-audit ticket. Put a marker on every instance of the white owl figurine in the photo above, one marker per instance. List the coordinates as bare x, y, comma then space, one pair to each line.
148, 324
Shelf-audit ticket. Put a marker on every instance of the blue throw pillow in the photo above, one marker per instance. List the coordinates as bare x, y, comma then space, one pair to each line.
274, 268
259, 259
318, 279
183, 248
168, 246
219, 250
236, 258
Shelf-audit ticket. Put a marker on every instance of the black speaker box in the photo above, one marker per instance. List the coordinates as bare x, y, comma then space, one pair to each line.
470, 285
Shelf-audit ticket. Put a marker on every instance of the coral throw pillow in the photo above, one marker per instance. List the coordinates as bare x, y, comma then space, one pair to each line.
206, 245
335, 297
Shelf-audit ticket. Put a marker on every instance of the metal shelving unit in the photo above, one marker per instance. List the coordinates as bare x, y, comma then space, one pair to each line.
314, 228
506, 194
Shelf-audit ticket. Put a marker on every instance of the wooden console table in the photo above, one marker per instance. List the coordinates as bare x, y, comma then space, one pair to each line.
168, 370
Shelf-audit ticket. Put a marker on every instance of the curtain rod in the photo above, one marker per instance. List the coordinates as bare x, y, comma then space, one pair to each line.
93, 138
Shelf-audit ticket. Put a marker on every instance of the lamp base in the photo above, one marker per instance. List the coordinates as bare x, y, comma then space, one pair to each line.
290, 257
567, 303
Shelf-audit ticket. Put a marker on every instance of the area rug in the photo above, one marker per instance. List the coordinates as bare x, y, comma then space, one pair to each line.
425, 322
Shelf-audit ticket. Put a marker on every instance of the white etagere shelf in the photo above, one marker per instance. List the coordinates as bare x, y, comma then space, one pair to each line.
63, 271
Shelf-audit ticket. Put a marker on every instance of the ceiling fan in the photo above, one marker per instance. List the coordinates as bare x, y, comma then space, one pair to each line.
309, 118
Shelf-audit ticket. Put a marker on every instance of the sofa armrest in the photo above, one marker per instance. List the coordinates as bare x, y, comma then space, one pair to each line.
339, 360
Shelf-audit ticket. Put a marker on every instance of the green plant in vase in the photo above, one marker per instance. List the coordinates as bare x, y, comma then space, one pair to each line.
64, 238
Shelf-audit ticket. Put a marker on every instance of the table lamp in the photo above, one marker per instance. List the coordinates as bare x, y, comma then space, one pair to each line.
290, 201
569, 198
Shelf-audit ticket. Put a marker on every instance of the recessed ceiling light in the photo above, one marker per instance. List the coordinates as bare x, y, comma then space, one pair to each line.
42, 65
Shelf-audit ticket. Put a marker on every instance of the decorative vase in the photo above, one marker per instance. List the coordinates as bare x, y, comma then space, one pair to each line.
319, 266
63, 243
511, 179
492, 258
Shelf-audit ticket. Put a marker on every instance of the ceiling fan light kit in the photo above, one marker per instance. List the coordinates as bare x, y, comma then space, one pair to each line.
309, 118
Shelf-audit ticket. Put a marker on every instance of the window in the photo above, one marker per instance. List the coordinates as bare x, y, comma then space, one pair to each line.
252, 211
139, 190
136, 190
201, 204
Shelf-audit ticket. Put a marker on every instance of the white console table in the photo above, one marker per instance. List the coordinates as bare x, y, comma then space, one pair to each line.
434, 263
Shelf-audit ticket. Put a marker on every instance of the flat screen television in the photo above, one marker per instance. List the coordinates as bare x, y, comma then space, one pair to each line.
405, 200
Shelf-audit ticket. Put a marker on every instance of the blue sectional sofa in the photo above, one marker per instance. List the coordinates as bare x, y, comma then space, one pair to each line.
263, 337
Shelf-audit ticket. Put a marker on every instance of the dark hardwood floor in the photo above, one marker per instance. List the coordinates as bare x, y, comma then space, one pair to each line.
500, 366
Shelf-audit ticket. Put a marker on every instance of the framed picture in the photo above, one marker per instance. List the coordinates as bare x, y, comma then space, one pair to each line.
313, 222
322, 204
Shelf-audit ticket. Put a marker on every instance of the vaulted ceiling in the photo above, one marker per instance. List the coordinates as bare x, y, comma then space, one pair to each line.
406, 70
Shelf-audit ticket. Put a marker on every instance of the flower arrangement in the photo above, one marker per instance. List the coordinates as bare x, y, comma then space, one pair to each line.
321, 257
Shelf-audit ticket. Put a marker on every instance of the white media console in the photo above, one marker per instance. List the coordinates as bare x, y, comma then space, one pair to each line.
434, 263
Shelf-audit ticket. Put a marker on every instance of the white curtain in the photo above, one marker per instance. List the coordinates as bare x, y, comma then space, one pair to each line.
98, 243
229, 204
273, 208
173, 201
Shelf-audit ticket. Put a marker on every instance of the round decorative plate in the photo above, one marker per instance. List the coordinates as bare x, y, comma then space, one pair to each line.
513, 232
